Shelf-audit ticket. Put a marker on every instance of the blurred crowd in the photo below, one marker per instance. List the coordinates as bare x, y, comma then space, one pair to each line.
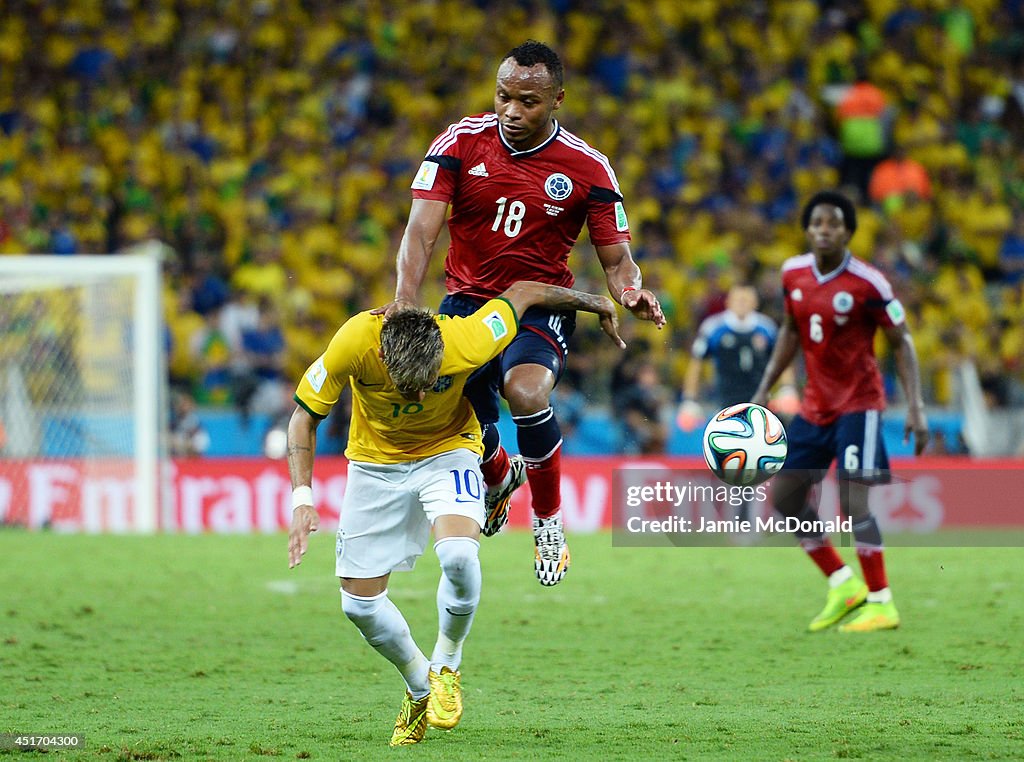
270, 145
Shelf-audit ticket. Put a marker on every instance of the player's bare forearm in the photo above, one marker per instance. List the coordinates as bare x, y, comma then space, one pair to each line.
301, 447
411, 268
620, 271
426, 218
782, 357
907, 368
525, 294
909, 373
558, 298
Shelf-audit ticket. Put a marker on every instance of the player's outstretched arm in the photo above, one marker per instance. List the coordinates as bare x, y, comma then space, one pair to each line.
909, 373
782, 357
624, 282
524, 294
301, 447
426, 218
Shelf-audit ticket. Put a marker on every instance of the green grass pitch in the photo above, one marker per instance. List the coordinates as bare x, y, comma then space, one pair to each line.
208, 647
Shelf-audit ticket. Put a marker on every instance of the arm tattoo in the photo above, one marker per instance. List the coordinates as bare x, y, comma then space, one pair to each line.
556, 297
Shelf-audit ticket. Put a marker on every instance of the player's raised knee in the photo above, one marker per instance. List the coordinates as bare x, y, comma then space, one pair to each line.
527, 398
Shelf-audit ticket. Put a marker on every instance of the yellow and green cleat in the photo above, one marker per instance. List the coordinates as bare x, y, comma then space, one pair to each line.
444, 708
840, 602
411, 724
873, 617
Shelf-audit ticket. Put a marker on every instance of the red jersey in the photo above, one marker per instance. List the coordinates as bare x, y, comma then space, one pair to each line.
515, 215
836, 316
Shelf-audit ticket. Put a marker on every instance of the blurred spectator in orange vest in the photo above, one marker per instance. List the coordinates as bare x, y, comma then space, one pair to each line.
862, 114
896, 177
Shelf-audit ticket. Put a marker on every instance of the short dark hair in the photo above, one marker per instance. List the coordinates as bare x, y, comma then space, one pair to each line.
531, 53
412, 346
836, 199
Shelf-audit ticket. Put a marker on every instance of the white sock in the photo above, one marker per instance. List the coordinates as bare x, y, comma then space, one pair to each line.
839, 576
386, 630
458, 594
880, 596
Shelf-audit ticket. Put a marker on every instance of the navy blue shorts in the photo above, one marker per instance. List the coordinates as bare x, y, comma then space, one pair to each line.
541, 340
853, 440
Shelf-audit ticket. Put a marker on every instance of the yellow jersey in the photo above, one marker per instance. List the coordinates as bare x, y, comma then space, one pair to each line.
386, 427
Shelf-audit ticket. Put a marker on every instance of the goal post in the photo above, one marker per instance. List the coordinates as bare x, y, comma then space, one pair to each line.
83, 385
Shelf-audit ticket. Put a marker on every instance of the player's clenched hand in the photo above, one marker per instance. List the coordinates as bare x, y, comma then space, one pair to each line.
918, 426
304, 521
392, 307
644, 305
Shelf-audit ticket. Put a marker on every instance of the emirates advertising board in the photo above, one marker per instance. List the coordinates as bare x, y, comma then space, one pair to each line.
643, 502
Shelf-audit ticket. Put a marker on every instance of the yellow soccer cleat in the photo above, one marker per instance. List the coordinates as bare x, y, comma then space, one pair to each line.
873, 617
444, 708
411, 724
840, 602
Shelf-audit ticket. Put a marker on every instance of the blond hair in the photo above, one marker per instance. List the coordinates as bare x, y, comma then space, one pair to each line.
412, 346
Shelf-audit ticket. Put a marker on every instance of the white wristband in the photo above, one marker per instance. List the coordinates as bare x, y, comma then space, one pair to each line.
302, 496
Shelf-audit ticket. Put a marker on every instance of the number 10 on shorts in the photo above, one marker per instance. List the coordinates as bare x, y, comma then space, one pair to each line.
467, 483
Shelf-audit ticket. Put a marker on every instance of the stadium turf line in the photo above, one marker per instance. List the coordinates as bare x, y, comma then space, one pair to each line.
207, 647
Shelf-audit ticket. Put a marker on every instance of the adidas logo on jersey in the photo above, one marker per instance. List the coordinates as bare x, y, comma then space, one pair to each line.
479, 170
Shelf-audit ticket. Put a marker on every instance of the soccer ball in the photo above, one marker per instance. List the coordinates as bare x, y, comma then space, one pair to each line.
745, 444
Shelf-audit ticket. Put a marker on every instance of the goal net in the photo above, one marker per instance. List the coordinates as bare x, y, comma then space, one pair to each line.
82, 392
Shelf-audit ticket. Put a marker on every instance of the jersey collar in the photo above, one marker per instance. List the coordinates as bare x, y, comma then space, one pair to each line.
834, 273
516, 154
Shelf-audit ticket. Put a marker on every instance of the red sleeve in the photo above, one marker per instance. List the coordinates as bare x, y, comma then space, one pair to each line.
606, 213
438, 174
882, 304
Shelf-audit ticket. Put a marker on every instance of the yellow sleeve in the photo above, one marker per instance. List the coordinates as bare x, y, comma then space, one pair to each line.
472, 341
324, 380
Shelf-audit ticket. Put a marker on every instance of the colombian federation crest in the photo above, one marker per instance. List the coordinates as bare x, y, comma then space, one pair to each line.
842, 302
558, 186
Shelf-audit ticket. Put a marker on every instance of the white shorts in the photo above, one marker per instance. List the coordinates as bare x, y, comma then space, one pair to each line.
388, 510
